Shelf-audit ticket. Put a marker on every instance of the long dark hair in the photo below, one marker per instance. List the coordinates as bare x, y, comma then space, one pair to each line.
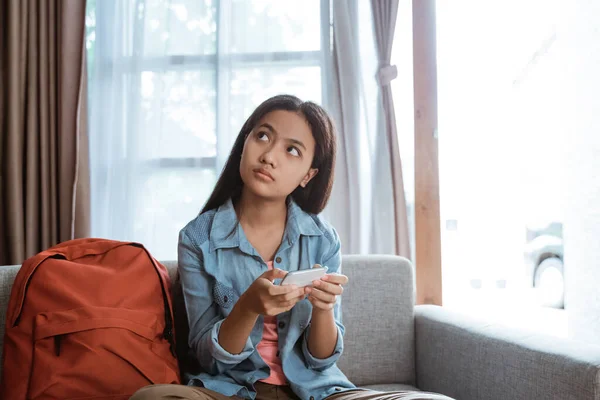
314, 197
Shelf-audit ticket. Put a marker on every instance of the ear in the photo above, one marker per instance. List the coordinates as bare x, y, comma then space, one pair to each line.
309, 175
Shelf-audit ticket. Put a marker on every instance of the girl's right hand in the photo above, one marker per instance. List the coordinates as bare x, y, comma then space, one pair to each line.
265, 298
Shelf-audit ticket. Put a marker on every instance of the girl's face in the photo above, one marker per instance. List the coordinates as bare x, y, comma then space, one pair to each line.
277, 155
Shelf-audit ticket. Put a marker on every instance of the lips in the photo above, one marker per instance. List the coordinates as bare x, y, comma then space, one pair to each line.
263, 173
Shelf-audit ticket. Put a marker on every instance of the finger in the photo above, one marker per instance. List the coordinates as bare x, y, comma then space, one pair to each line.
328, 287
320, 304
285, 305
291, 303
277, 290
292, 295
274, 273
338, 279
320, 295
277, 307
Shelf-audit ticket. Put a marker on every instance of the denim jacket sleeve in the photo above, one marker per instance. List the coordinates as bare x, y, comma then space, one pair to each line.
203, 314
332, 261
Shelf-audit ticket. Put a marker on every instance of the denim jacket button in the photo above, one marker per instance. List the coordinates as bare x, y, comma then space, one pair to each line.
281, 325
225, 299
278, 260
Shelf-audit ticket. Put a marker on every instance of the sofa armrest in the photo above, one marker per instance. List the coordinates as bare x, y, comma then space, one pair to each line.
470, 359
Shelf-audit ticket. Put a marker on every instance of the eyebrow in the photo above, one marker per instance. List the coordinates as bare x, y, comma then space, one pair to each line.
295, 141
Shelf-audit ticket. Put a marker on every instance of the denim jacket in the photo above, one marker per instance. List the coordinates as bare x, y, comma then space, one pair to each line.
217, 264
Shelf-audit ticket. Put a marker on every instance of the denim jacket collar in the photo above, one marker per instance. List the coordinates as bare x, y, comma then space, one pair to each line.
227, 232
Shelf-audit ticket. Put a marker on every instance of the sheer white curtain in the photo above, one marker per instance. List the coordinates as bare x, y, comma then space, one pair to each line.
171, 83
362, 205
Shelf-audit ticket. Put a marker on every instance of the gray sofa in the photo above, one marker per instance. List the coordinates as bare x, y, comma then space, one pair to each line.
390, 344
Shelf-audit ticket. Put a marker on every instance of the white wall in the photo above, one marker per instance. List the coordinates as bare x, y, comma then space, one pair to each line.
579, 37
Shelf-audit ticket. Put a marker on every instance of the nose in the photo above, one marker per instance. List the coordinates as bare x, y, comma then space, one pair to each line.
268, 158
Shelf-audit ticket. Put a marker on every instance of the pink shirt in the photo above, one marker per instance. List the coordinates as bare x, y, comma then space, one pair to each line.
269, 351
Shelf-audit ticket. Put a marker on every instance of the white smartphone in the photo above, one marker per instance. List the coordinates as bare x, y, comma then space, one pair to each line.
303, 277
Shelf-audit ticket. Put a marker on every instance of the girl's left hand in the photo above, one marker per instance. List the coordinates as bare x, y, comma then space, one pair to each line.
325, 291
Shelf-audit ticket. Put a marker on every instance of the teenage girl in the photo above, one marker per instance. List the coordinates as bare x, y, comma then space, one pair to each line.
252, 337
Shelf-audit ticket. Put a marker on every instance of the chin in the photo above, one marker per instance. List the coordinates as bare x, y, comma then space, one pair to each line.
262, 191
258, 188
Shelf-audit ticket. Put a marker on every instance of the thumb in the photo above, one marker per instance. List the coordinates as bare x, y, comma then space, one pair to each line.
274, 273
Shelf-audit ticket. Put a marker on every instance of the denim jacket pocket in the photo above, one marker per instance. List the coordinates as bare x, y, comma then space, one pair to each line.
224, 295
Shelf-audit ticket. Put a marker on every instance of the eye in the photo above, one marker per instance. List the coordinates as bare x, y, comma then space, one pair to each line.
262, 136
293, 151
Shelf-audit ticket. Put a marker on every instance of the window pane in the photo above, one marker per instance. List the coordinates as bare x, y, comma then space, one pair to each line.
177, 116
167, 199
500, 147
164, 109
181, 27
259, 26
252, 85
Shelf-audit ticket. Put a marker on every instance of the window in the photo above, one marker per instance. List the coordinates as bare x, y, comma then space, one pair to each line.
500, 154
177, 79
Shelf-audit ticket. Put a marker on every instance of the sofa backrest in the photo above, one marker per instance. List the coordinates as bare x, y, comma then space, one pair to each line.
377, 311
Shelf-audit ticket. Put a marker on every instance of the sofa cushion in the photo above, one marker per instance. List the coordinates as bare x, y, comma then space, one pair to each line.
186, 358
7, 277
377, 309
172, 268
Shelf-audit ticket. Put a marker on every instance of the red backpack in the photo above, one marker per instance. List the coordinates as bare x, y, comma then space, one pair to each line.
88, 318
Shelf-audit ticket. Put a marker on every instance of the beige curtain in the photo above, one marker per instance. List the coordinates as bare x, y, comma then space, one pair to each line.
44, 168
